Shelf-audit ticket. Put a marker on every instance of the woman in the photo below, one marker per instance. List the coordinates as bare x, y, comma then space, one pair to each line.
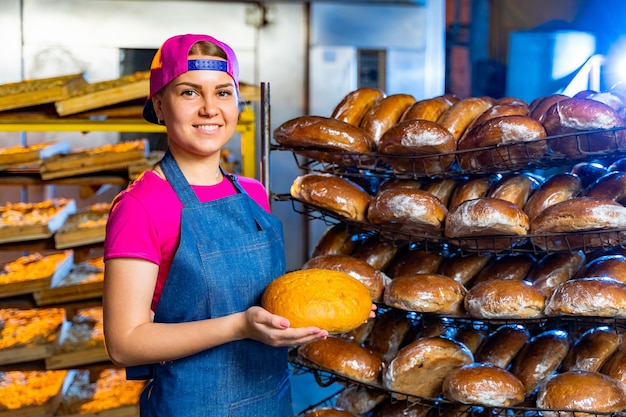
189, 250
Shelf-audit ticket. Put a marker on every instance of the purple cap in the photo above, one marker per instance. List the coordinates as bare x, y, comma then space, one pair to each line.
171, 60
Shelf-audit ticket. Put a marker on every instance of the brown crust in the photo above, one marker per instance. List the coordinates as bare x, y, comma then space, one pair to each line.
468, 190
376, 251
498, 110
414, 261
557, 188
503, 345
335, 240
503, 299
611, 186
462, 113
483, 384
610, 266
516, 188
463, 268
554, 269
428, 109
602, 297
355, 104
510, 266
442, 188
538, 110
592, 350
425, 293
486, 217
388, 333
384, 114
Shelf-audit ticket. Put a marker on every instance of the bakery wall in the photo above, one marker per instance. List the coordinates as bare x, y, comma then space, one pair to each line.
41, 38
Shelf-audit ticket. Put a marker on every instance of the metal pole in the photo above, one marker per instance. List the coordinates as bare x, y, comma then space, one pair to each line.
265, 139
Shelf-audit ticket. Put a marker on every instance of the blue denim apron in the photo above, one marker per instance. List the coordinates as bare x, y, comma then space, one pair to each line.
230, 250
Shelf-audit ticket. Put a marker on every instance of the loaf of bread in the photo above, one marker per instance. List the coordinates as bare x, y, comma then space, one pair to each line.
504, 299
580, 391
331, 300
483, 384
442, 188
554, 269
515, 188
355, 104
377, 252
539, 108
394, 408
428, 109
333, 193
509, 266
540, 358
408, 210
615, 366
610, 266
600, 296
503, 345
384, 114
512, 141
410, 261
557, 188
589, 172
336, 240
498, 110
374, 280
592, 349
328, 412
420, 368
388, 333
418, 138
611, 186
471, 337
463, 268
425, 293
359, 400
470, 189
462, 113
578, 214
343, 357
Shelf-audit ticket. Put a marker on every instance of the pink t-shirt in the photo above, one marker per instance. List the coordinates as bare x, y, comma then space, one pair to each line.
144, 221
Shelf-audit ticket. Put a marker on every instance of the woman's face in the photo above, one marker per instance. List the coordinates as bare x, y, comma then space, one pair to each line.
200, 109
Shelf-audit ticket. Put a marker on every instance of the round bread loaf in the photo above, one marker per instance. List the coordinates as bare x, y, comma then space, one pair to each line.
513, 141
355, 104
428, 109
503, 345
324, 133
418, 138
359, 400
588, 172
610, 266
516, 188
615, 366
470, 189
389, 331
377, 252
611, 186
343, 357
394, 408
327, 299
425, 293
592, 349
360, 334
557, 188
504, 299
578, 214
374, 280
483, 384
576, 115
540, 358
554, 269
578, 390
336, 240
384, 114
611, 99
498, 110
442, 188
409, 261
420, 368
328, 412
470, 337
408, 210
509, 266
538, 110
600, 297
333, 193
463, 268
462, 113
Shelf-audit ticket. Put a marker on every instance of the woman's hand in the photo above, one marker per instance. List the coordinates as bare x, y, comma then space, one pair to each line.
274, 330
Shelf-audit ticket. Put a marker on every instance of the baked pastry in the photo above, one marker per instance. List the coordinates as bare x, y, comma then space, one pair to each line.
540, 358
504, 299
359, 400
470, 189
463, 268
510, 266
425, 293
336, 240
499, 109
377, 252
462, 113
420, 368
600, 296
343, 357
328, 412
515, 188
355, 104
389, 330
610, 186
374, 280
384, 114
615, 366
557, 188
580, 391
539, 108
331, 300
331, 192
483, 384
409, 261
472, 338
592, 349
554, 269
503, 345
609, 266
428, 109
442, 188
394, 408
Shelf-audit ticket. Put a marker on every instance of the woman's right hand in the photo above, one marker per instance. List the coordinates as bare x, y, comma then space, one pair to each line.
275, 330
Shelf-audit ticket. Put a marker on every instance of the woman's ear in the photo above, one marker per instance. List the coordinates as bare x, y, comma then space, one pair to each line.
156, 104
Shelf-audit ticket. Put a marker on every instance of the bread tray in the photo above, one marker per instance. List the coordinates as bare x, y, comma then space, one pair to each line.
500, 158
438, 406
587, 241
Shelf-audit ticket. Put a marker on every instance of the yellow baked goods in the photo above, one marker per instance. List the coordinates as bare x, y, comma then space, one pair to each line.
331, 300
29, 389
32, 267
32, 326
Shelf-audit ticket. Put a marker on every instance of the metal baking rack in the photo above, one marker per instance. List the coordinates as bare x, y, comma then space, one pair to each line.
501, 158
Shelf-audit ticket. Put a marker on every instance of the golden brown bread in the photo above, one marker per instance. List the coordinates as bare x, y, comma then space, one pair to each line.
470, 189
538, 109
336, 240
425, 293
554, 269
509, 266
483, 384
331, 300
516, 188
394, 408
540, 358
410, 261
579, 390
408, 210
418, 138
390, 329
355, 104
427, 109
376, 251
442, 188
420, 368
592, 349
600, 296
359, 400
499, 110
504, 299
328, 412
503, 345
610, 266
330, 192
343, 357
557, 188
463, 268
615, 366
462, 113
323, 133
384, 114
514, 141
374, 280
472, 338
611, 186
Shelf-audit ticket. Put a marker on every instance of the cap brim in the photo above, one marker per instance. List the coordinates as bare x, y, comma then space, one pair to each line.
149, 114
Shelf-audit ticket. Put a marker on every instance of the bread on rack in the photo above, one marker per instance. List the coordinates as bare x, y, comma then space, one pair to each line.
559, 187
336, 240
611, 186
470, 189
554, 269
462, 113
615, 366
484, 385
515, 188
333, 193
328, 412
599, 296
425, 293
355, 105
541, 105
580, 391
360, 400
499, 109
409, 261
384, 114
592, 349
508, 266
427, 109
388, 333
463, 268
376, 251
471, 337
442, 188
504, 299
609, 266
503, 345
343, 357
